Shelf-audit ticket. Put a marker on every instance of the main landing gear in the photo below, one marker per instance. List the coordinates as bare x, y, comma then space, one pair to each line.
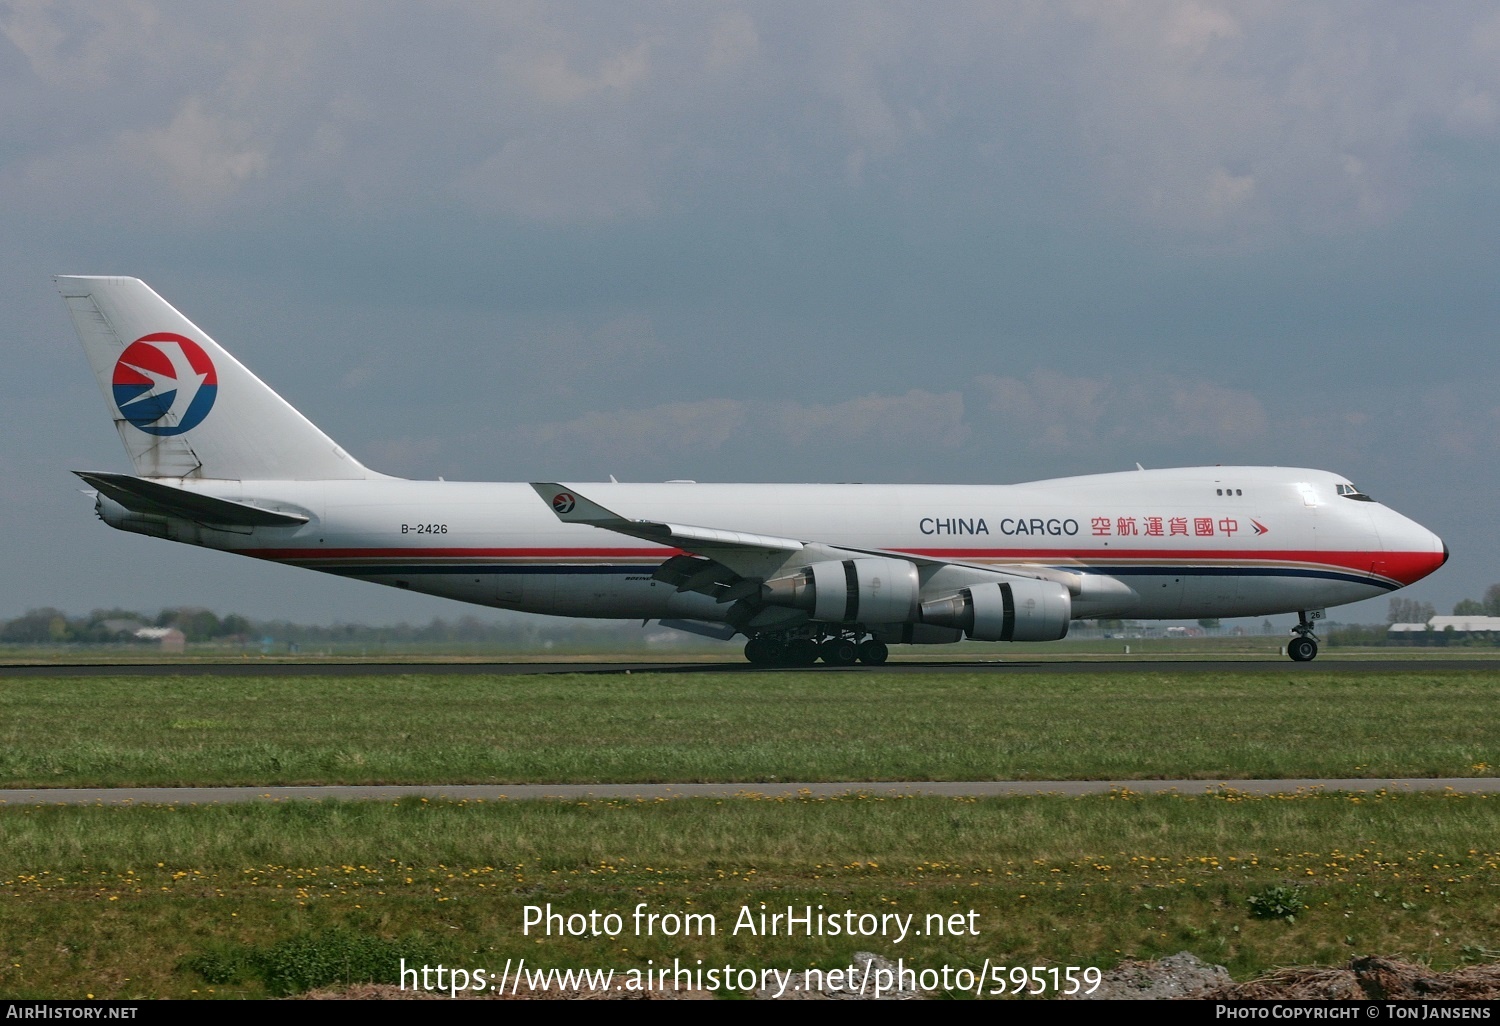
1304, 647
834, 650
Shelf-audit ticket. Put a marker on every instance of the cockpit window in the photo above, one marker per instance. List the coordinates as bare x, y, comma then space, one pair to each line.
1348, 491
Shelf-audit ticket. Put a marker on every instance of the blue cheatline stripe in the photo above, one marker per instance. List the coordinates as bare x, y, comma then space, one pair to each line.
478, 569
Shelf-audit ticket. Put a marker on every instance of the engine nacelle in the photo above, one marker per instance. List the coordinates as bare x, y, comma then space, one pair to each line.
876, 589
1020, 610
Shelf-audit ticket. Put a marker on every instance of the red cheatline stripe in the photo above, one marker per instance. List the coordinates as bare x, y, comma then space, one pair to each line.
413, 551
1398, 566
1351, 558
1390, 562
1293, 555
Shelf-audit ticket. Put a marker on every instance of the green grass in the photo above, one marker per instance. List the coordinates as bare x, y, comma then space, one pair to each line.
86, 731
686, 649
250, 900
178, 902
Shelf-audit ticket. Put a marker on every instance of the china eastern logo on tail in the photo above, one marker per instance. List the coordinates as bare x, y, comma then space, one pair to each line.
165, 384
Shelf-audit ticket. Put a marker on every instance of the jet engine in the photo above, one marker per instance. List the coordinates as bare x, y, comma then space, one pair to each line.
876, 589
1020, 610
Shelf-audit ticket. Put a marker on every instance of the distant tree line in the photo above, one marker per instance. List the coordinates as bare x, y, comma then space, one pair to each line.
1488, 606
1405, 610
49, 626
53, 626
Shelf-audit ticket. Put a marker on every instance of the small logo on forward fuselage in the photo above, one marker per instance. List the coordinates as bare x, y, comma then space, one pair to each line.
165, 384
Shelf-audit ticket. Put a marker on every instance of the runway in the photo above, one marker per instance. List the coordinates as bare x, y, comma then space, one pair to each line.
655, 792
1006, 667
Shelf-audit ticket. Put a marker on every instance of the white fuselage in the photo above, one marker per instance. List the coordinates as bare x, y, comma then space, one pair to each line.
1181, 543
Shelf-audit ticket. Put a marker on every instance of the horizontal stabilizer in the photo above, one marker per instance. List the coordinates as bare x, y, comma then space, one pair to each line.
152, 497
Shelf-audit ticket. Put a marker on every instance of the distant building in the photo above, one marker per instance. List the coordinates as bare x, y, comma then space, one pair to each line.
171, 639
1466, 624
1444, 626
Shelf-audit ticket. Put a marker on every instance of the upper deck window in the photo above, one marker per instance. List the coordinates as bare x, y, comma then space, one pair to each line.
1348, 491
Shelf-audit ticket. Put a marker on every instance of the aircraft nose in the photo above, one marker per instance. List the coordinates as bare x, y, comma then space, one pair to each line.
1414, 553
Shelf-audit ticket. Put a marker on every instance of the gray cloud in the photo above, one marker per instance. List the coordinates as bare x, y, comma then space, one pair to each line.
915, 419
765, 241
1183, 116
668, 430
201, 157
912, 421
1055, 413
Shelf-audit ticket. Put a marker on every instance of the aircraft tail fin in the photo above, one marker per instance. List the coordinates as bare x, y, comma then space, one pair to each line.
183, 406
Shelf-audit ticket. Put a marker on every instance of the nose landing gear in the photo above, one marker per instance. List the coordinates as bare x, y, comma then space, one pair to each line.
1304, 647
1302, 650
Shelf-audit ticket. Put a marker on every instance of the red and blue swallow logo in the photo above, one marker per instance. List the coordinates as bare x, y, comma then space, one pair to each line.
563, 503
165, 384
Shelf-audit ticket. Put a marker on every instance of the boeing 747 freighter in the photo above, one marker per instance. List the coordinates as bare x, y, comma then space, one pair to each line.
838, 572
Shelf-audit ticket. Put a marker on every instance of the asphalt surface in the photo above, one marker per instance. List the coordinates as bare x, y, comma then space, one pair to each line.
1117, 665
652, 792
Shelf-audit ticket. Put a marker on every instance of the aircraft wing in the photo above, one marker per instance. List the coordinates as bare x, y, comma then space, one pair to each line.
140, 495
573, 508
734, 564
739, 553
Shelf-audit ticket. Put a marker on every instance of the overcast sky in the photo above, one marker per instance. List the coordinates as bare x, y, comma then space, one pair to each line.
966, 242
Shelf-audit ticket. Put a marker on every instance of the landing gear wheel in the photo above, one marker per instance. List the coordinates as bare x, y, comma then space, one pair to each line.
764, 651
1302, 650
839, 652
801, 652
1304, 647
873, 653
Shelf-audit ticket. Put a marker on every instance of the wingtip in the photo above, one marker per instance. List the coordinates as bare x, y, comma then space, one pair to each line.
563, 500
